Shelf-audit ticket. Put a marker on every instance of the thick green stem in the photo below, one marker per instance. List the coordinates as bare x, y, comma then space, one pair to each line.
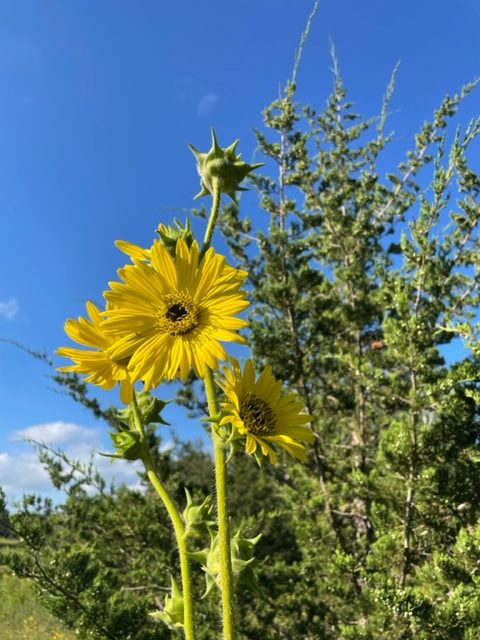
178, 527
212, 219
226, 575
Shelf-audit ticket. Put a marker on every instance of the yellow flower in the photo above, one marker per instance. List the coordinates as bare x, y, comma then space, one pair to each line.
256, 411
173, 311
100, 367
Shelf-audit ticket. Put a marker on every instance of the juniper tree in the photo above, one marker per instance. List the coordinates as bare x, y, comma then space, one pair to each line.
358, 279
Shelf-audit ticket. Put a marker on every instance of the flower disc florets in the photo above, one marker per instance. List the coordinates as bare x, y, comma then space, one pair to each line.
257, 415
178, 314
222, 165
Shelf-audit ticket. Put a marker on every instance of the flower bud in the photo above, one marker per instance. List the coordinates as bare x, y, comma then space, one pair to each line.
242, 554
171, 234
243, 558
222, 165
149, 408
173, 610
127, 445
198, 518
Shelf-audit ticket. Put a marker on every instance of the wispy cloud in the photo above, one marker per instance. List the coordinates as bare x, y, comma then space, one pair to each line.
207, 104
9, 308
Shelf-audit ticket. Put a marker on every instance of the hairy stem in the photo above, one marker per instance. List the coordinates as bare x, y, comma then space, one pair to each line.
226, 576
212, 219
178, 527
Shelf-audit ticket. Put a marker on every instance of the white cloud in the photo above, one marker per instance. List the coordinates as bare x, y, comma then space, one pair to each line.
59, 432
207, 104
9, 308
23, 473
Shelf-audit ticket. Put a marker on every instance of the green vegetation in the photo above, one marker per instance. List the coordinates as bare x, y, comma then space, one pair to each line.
22, 617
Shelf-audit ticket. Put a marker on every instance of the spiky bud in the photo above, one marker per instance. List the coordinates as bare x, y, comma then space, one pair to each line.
243, 558
149, 408
173, 610
171, 234
222, 165
127, 445
198, 517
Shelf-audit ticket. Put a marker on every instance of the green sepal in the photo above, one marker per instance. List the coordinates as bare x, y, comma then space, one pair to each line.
169, 235
209, 558
127, 445
173, 610
149, 408
222, 165
233, 440
243, 559
213, 419
198, 518
242, 555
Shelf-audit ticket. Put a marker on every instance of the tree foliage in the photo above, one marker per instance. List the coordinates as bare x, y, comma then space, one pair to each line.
358, 285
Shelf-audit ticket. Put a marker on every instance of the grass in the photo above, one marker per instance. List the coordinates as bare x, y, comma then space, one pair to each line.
21, 617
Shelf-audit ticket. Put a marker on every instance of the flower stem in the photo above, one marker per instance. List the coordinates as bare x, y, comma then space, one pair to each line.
226, 576
177, 523
212, 219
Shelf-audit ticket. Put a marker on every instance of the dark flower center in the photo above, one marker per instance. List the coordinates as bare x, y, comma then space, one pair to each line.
257, 415
178, 314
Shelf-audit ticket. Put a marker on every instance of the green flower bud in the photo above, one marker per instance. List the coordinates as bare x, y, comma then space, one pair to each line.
149, 408
170, 235
222, 165
172, 614
243, 558
198, 518
209, 558
127, 445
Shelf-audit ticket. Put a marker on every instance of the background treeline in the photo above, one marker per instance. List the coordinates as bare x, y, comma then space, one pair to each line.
360, 283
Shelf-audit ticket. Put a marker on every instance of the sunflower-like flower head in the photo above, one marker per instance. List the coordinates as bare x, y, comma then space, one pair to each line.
260, 416
100, 366
223, 165
173, 313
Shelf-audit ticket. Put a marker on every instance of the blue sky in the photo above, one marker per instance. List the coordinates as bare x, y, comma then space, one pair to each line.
98, 101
